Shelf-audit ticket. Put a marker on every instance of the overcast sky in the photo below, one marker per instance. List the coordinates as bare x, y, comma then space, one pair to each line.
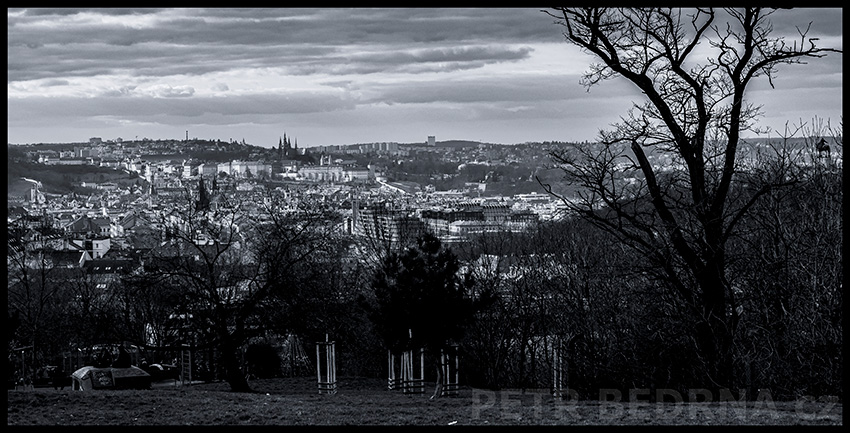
339, 76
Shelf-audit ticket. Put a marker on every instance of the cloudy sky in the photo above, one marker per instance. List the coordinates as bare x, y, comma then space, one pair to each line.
339, 76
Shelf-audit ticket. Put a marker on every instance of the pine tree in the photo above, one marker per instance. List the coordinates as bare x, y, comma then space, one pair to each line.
420, 299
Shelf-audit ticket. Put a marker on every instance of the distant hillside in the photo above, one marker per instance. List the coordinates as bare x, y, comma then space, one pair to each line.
457, 144
59, 179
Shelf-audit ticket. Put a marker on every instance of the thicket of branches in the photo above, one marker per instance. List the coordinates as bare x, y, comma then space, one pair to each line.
620, 326
672, 180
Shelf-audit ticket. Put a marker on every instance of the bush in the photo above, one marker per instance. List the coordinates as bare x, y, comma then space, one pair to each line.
263, 361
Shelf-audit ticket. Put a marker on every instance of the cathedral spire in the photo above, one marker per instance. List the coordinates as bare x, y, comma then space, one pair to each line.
286, 146
203, 202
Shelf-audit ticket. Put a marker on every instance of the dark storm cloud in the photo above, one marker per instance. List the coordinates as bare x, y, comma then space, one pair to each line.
67, 11
528, 89
297, 26
161, 42
153, 59
53, 83
157, 60
442, 59
201, 40
827, 22
167, 106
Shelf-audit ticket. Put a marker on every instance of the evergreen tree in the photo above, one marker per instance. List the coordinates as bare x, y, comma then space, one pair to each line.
420, 300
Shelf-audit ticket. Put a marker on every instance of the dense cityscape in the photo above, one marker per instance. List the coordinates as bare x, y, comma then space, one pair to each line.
455, 194
156, 179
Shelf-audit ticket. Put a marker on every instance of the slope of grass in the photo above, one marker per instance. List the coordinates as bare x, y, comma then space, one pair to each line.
296, 401
61, 179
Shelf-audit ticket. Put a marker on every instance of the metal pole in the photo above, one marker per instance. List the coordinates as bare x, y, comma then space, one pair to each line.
319, 367
443, 368
333, 366
390, 369
457, 369
328, 379
24, 368
422, 370
407, 371
404, 373
557, 371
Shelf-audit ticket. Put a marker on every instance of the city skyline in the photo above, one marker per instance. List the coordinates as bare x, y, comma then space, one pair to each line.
339, 76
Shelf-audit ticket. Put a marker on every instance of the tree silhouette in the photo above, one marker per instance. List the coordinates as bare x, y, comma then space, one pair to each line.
420, 300
231, 269
680, 148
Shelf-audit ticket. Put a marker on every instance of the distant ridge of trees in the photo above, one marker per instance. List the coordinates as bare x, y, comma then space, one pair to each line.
457, 144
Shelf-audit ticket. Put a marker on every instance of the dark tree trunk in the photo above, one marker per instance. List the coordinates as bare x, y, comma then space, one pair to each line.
233, 371
714, 329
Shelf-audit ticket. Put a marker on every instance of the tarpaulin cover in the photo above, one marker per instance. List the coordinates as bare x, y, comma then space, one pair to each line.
132, 377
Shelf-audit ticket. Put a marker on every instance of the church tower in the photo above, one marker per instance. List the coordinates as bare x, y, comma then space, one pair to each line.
203, 202
287, 149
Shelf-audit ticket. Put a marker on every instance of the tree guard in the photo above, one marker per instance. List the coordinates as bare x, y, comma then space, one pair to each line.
411, 383
393, 375
326, 366
558, 367
449, 363
185, 365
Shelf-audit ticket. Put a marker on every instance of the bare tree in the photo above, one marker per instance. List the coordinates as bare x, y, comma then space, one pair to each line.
233, 267
662, 179
38, 291
789, 284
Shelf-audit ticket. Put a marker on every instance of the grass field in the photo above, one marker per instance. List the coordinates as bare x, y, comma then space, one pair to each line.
62, 179
360, 401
